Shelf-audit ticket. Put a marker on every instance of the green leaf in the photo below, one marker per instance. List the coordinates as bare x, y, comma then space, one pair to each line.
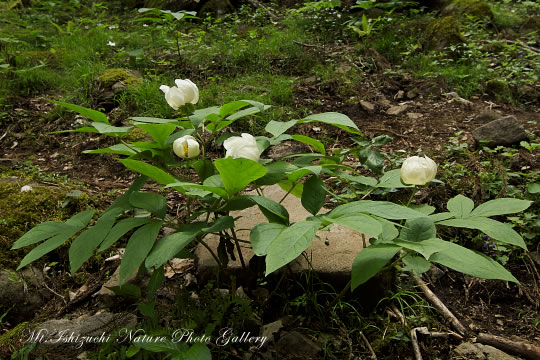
236, 174
275, 172
120, 229
501, 206
314, 195
389, 230
41, 232
155, 282
497, 230
370, 261
151, 171
167, 247
361, 223
49, 229
262, 235
167, 346
310, 141
83, 247
155, 203
277, 128
418, 229
272, 210
197, 351
205, 190
243, 113
128, 290
416, 263
204, 168
111, 130
231, 107
119, 149
292, 187
533, 188
384, 209
425, 247
392, 179
222, 223
44, 248
289, 244
441, 216
460, 206
159, 132
424, 209
152, 120
472, 263
137, 249
359, 179
332, 118
89, 113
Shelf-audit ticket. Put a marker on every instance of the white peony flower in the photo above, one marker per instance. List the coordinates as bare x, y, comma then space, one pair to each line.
111, 44
26, 188
184, 92
243, 146
186, 147
416, 170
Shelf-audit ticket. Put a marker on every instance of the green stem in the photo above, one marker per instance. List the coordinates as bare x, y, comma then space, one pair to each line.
238, 248
212, 253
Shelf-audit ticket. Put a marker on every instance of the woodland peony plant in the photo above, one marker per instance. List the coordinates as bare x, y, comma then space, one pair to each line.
392, 228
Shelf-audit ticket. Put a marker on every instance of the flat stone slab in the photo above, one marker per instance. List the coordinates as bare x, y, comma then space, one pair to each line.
331, 253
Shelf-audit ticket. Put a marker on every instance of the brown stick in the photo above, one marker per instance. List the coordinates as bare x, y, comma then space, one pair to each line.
440, 305
415, 346
373, 355
521, 348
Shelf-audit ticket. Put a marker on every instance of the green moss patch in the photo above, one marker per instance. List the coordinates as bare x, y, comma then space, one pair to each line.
443, 32
20, 211
110, 77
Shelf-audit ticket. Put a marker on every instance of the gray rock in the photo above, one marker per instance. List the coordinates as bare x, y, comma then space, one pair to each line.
332, 261
22, 294
504, 131
367, 106
67, 335
296, 343
396, 110
468, 351
414, 116
479, 352
487, 116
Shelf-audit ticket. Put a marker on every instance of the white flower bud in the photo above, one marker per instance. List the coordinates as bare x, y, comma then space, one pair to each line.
184, 92
26, 188
242, 147
186, 147
417, 170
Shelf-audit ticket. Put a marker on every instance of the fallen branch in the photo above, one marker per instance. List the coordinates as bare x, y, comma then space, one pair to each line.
304, 44
259, 5
437, 335
521, 348
440, 305
373, 355
415, 346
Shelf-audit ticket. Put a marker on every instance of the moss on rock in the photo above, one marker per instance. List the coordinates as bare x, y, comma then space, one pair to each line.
443, 32
478, 8
21, 211
112, 76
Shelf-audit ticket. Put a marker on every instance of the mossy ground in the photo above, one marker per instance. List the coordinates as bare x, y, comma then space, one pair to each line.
20, 211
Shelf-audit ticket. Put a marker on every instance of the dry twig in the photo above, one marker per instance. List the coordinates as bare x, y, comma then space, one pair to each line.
521, 348
440, 305
373, 355
415, 346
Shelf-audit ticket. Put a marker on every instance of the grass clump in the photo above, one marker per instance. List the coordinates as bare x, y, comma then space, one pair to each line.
443, 32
